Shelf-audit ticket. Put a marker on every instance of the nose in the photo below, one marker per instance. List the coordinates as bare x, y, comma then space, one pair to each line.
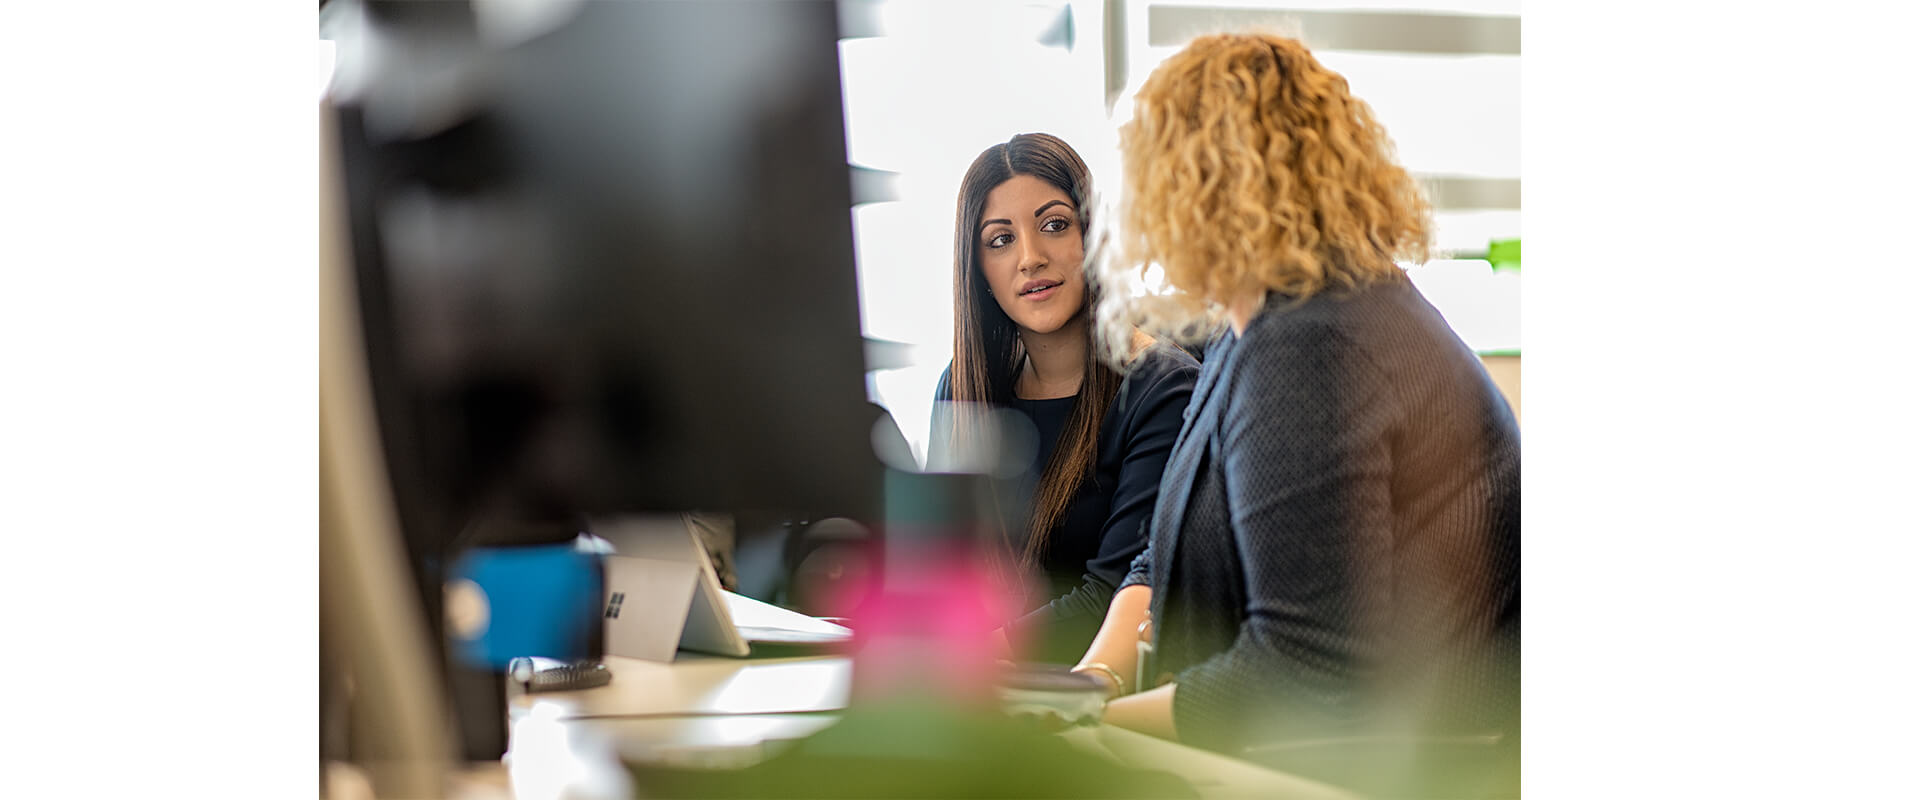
1030, 256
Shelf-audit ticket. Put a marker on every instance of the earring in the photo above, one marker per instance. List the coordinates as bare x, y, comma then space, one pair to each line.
989, 291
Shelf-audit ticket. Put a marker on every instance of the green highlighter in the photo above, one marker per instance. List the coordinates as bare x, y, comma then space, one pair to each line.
1504, 254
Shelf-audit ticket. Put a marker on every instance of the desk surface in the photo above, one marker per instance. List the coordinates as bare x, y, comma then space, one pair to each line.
712, 712
700, 685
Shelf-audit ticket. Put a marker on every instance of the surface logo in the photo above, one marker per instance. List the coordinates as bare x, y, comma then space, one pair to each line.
613, 605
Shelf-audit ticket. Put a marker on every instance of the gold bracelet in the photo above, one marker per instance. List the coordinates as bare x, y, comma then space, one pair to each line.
1119, 684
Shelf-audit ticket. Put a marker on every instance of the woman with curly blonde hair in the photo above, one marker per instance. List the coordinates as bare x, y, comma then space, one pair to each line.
1334, 554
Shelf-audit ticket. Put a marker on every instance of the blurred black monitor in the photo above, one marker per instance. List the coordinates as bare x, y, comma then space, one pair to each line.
605, 265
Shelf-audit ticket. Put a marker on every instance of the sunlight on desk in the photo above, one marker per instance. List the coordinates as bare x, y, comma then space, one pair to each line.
551, 759
700, 685
707, 742
776, 687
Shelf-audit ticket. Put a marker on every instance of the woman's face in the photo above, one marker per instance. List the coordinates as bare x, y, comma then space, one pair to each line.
1029, 246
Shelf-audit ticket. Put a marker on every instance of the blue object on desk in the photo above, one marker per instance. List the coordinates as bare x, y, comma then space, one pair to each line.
523, 601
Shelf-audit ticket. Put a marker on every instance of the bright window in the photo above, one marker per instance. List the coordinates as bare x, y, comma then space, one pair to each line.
930, 84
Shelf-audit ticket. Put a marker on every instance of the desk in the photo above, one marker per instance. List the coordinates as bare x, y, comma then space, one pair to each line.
703, 711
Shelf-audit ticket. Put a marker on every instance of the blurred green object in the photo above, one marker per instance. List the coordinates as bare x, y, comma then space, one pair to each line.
1504, 254
907, 750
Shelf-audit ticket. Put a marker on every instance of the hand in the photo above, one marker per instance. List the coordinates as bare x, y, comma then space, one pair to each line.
998, 643
1046, 720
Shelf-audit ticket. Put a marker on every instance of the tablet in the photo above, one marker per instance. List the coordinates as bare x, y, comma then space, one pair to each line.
717, 621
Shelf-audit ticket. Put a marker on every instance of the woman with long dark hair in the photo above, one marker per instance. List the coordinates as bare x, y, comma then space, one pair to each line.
1022, 341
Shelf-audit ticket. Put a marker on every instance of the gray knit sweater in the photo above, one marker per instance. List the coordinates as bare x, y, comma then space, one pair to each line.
1336, 545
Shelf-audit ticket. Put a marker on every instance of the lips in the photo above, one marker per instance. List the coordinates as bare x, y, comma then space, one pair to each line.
1037, 287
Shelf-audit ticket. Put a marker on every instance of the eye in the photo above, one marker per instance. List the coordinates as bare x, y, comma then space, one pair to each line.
999, 240
1055, 225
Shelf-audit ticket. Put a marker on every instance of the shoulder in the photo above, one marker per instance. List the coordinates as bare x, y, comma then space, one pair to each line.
1160, 372
943, 391
1324, 350
1158, 385
1160, 363
1333, 325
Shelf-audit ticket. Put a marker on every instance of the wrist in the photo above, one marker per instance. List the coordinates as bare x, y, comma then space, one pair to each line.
1116, 685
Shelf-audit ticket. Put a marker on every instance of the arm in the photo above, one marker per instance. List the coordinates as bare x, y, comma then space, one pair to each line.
1304, 453
1149, 712
1114, 645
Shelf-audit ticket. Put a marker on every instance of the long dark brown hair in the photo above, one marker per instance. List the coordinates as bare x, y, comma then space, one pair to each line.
987, 353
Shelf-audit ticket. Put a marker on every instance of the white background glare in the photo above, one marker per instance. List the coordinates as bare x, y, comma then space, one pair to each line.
947, 80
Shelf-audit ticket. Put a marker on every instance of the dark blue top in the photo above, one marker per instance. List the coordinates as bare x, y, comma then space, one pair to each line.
1336, 547
1104, 526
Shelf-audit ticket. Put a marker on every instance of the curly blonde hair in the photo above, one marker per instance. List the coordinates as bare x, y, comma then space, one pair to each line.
1248, 166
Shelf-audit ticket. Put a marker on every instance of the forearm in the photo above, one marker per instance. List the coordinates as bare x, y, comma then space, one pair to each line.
1116, 645
1060, 631
1149, 712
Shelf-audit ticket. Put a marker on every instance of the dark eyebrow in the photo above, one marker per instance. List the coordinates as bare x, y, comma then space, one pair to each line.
985, 222
1050, 205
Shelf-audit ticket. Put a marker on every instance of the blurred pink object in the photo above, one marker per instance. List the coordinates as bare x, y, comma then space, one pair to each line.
927, 633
